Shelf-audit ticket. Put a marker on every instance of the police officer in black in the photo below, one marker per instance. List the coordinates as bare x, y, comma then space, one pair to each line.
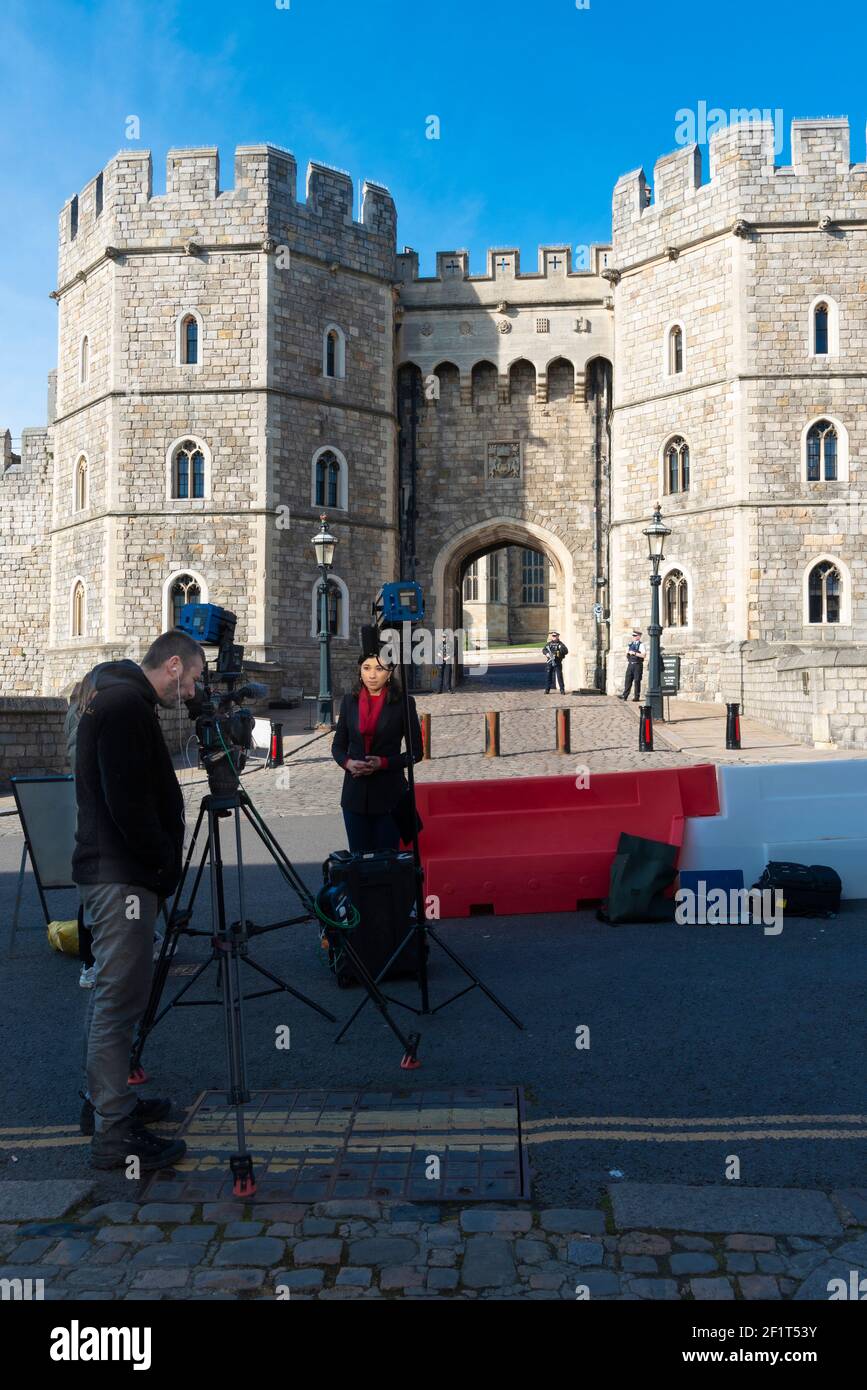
635, 654
446, 673
554, 652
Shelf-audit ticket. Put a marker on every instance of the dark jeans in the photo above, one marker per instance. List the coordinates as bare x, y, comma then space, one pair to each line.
554, 671
634, 672
370, 832
445, 676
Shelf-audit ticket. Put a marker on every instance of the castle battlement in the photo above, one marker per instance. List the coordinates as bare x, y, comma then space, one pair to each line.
117, 211
745, 187
503, 264
554, 281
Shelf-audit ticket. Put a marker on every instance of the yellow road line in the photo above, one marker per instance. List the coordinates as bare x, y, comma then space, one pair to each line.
653, 1120
571, 1129
721, 1136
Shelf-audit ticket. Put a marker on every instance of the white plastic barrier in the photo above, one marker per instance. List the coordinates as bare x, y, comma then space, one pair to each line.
805, 813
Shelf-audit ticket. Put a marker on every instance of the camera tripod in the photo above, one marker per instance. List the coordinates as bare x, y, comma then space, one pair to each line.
230, 945
421, 928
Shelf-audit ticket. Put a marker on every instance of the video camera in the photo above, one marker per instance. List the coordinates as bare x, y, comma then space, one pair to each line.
400, 602
224, 729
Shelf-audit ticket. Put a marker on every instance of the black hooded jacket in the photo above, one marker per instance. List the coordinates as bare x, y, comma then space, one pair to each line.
130, 805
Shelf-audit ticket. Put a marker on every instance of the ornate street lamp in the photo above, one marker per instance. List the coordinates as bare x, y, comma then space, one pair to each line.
656, 533
323, 544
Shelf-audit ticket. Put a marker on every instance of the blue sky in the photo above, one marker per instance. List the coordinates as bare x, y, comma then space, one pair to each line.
542, 105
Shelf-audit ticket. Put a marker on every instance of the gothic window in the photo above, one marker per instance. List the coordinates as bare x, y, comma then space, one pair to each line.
823, 327
533, 575
188, 470
675, 595
471, 583
820, 329
190, 341
675, 350
676, 465
327, 480
77, 621
494, 577
99, 195
337, 607
73, 218
824, 592
334, 352
81, 484
335, 604
185, 589
84, 361
821, 452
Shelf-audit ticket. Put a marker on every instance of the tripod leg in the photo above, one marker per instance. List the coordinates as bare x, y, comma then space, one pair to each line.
296, 994
411, 1043
149, 1019
475, 979
231, 941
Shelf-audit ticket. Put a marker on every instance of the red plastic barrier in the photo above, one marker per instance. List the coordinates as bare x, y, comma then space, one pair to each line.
543, 844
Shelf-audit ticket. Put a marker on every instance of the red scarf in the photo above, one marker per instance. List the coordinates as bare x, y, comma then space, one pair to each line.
369, 710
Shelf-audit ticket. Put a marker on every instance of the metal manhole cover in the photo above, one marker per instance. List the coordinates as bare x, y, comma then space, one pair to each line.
314, 1145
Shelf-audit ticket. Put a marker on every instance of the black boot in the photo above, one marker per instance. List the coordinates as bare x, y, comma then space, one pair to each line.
114, 1147
148, 1111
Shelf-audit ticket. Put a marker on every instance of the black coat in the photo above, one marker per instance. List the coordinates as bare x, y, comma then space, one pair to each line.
130, 806
381, 791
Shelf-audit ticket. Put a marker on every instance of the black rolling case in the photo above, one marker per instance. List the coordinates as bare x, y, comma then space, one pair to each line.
808, 890
382, 887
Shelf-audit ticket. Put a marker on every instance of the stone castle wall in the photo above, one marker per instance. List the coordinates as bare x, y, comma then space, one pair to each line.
25, 565
265, 275
740, 262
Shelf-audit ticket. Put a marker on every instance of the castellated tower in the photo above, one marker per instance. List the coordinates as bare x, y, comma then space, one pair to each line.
503, 399
740, 397
225, 374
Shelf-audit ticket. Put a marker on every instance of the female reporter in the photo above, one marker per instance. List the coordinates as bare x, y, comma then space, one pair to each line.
367, 745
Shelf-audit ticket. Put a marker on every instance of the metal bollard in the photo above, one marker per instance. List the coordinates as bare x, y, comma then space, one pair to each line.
564, 731
645, 729
275, 753
492, 734
425, 736
733, 726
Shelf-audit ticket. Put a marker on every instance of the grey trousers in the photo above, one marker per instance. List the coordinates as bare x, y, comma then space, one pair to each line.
122, 918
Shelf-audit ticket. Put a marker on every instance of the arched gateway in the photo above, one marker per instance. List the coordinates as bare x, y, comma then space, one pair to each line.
483, 537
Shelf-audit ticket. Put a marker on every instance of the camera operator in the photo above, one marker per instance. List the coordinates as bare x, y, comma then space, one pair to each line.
367, 745
127, 860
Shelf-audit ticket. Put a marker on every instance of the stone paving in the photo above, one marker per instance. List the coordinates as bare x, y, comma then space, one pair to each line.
604, 739
352, 1249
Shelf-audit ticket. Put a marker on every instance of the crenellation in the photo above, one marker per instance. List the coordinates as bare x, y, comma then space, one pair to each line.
745, 186
329, 192
820, 148
193, 174
676, 177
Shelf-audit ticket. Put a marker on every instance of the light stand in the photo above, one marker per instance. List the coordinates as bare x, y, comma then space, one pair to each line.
656, 533
422, 927
323, 543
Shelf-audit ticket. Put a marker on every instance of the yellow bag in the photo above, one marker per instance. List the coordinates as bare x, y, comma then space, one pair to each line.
63, 936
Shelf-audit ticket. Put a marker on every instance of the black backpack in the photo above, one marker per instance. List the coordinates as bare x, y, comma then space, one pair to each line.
809, 890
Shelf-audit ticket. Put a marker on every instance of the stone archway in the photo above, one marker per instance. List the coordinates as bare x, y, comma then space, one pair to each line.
489, 535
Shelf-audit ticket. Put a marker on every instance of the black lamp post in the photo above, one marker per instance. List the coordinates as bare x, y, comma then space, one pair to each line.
656, 533
323, 543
